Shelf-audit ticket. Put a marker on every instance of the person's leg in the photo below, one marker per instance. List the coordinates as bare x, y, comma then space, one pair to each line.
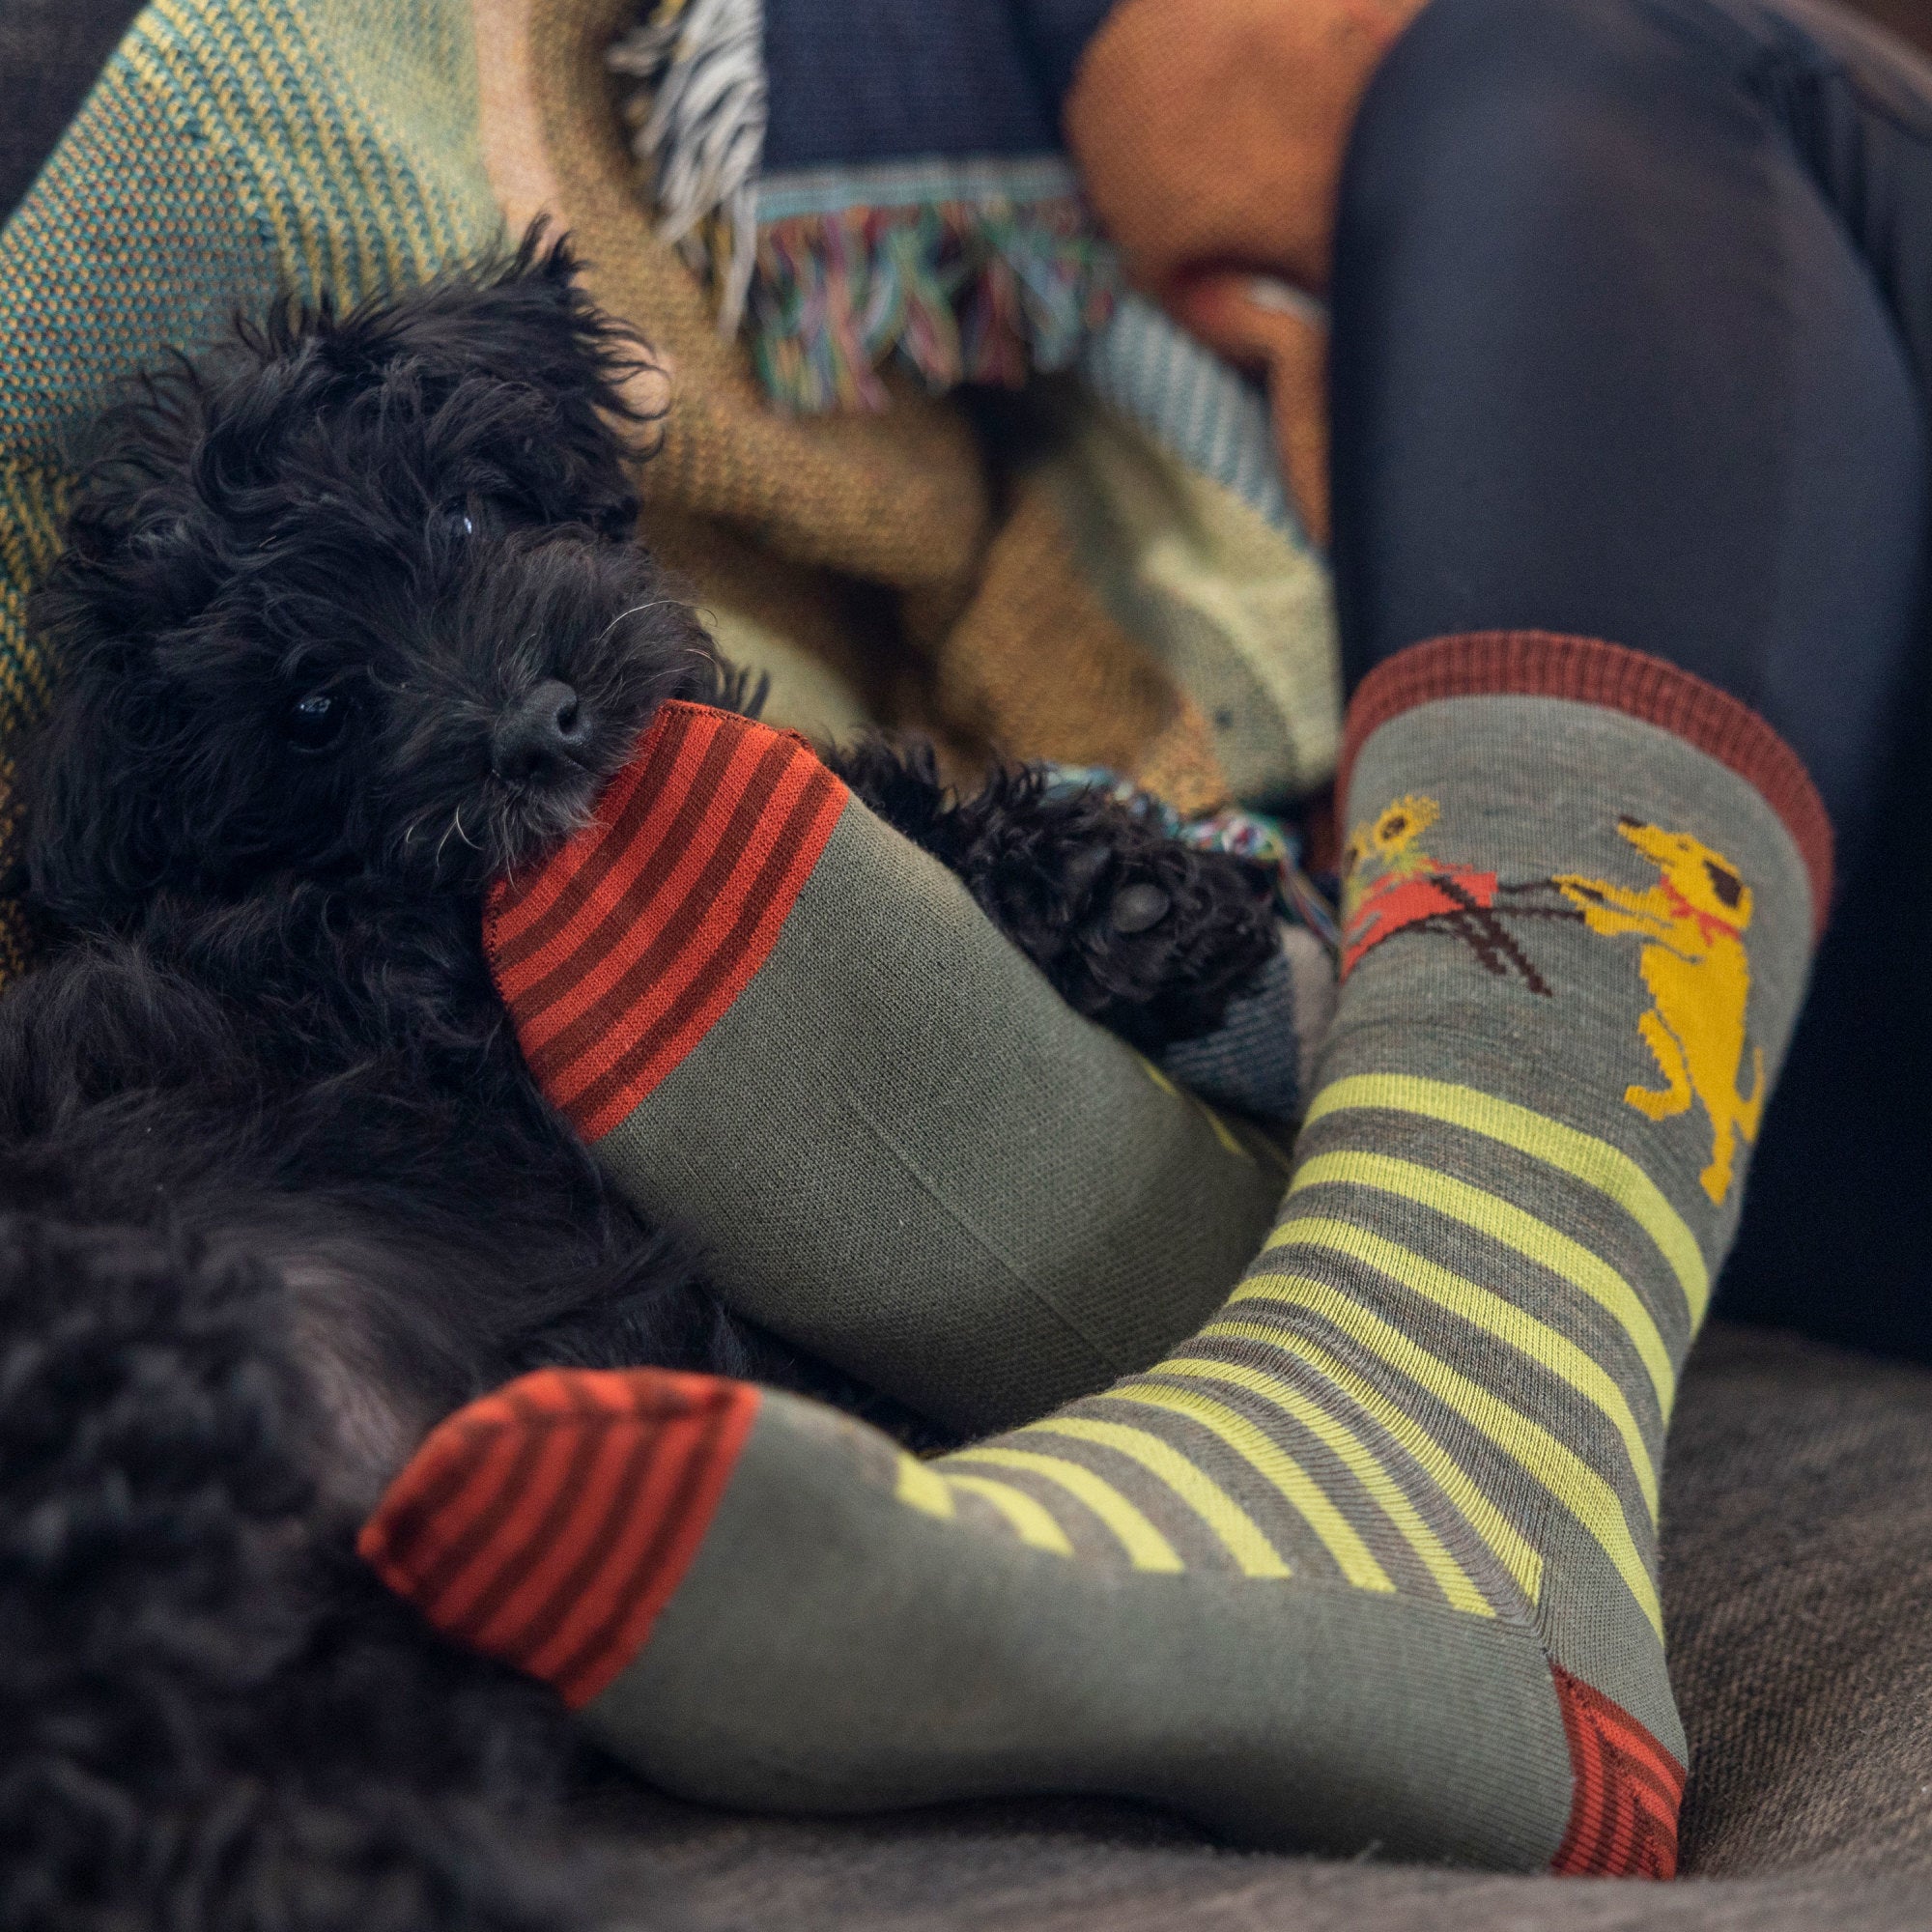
1371, 1559
1608, 363
1369, 1562
1633, 305
1832, 1241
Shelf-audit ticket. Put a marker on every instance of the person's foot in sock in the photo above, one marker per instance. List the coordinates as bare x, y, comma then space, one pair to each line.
791, 1033
1371, 1561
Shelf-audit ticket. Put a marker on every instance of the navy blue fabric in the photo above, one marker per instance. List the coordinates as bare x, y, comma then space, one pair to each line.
1632, 313
1611, 359
1058, 31
881, 80
861, 81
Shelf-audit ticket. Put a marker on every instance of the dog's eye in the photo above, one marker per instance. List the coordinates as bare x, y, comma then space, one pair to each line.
312, 723
457, 522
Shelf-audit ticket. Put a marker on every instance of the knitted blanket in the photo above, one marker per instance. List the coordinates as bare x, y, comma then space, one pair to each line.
1103, 565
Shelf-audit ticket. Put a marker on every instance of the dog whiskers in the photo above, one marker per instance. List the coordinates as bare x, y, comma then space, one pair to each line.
636, 610
455, 826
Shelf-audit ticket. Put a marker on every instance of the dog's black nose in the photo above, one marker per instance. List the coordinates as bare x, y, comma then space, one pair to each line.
538, 731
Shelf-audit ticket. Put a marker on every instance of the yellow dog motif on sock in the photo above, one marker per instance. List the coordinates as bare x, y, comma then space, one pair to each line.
1699, 974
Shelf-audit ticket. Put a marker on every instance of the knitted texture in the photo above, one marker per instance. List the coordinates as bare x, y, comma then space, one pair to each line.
236, 149
864, 182
1370, 1558
877, 195
874, 183
705, 842
1537, 664
547, 1525
792, 1035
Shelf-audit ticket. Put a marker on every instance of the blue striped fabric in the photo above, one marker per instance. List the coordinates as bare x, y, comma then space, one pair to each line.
1194, 404
785, 194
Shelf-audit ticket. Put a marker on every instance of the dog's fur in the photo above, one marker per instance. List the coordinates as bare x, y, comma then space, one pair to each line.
275, 1189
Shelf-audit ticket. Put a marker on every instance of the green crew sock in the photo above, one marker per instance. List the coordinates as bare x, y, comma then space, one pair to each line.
1371, 1561
792, 1035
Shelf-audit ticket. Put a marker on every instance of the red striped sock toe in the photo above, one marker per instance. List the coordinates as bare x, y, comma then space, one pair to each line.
620, 955
547, 1525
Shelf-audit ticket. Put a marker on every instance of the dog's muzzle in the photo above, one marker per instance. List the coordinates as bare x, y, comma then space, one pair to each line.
540, 735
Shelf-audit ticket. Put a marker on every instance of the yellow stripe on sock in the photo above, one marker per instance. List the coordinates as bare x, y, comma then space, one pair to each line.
1222, 1132
1356, 1457
1509, 1546
1146, 1546
1494, 1314
1594, 1162
1225, 1134
1031, 1522
1504, 1222
1159, 1078
923, 1488
1267, 1458
1571, 1480
1236, 1528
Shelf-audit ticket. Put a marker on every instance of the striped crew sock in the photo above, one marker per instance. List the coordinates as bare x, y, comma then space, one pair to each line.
792, 1035
1371, 1561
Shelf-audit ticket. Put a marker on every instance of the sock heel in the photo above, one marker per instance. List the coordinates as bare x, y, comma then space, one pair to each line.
1628, 1790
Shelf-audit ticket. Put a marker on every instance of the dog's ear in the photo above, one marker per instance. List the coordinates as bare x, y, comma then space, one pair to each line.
1726, 884
93, 847
142, 557
523, 321
140, 551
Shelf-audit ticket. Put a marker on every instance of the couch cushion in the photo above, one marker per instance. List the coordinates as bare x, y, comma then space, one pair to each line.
1798, 1575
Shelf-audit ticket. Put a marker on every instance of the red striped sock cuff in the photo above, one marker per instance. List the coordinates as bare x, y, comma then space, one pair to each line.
1543, 664
618, 955
1626, 1790
549, 1524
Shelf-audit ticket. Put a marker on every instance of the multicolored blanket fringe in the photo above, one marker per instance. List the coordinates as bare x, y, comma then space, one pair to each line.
978, 269
697, 119
985, 289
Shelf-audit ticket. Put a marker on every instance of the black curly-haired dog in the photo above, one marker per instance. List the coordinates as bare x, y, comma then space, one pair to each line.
351, 622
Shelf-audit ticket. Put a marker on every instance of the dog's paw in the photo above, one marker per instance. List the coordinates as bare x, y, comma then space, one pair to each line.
1147, 936
1160, 938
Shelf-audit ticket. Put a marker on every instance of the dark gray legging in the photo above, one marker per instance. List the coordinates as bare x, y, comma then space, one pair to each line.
1632, 322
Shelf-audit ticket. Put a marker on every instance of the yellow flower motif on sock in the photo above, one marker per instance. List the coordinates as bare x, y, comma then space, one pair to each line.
1386, 847
1401, 823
